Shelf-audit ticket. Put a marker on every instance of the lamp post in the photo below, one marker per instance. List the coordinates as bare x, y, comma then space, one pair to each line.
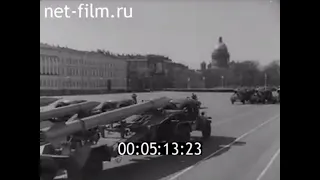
204, 81
265, 80
222, 81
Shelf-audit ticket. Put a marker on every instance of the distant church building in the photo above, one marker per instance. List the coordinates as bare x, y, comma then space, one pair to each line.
220, 56
203, 66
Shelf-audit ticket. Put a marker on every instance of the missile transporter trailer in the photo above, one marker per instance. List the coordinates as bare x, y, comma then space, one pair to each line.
79, 145
173, 122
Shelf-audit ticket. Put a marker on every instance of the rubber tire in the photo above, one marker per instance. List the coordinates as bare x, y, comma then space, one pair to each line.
93, 167
48, 168
183, 134
206, 132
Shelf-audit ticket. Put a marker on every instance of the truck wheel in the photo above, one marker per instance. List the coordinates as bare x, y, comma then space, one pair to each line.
183, 133
48, 169
93, 166
91, 170
206, 132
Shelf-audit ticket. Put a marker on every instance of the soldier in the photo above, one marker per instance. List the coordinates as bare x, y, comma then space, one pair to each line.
134, 97
194, 97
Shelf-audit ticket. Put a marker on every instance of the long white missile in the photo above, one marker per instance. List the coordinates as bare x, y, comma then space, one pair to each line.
61, 131
44, 101
67, 110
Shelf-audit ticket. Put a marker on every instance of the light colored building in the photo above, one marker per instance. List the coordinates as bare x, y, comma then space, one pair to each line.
68, 69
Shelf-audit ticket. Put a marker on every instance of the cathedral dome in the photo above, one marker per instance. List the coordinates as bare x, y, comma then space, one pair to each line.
220, 55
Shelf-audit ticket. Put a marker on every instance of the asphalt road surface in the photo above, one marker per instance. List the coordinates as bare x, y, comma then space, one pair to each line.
245, 145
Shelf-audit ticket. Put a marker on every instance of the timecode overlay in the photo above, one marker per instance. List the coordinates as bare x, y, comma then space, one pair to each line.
153, 148
87, 11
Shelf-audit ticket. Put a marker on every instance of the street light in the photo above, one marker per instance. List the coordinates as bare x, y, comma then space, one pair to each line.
265, 80
204, 81
222, 81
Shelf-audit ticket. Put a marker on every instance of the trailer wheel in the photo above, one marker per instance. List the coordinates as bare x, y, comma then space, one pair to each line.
94, 164
206, 132
92, 169
48, 169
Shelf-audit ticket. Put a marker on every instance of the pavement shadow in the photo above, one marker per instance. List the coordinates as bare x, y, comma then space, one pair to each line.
155, 168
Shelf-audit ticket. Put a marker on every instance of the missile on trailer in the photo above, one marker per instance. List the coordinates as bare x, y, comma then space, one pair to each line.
67, 110
44, 101
58, 132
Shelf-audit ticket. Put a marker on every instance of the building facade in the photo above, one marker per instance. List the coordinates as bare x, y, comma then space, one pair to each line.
64, 69
148, 72
138, 73
183, 77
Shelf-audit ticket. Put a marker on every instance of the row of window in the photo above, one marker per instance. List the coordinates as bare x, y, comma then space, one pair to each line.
46, 60
90, 72
48, 74
49, 83
53, 70
76, 72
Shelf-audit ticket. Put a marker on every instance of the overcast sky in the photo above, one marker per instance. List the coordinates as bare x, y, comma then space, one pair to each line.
185, 31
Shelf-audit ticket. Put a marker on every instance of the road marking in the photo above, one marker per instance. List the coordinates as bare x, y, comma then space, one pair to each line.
217, 123
269, 164
226, 146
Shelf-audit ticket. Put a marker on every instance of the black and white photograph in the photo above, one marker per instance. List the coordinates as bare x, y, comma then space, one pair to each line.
159, 90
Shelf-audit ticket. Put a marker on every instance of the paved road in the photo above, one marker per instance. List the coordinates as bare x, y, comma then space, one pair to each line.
245, 145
